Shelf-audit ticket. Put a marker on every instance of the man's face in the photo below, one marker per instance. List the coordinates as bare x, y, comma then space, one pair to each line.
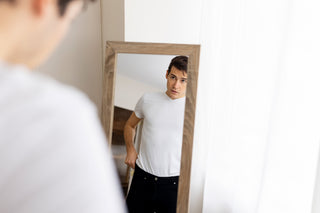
54, 29
176, 83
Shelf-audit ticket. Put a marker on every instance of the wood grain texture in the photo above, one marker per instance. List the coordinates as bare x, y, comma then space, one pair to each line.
193, 52
188, 131
108, 92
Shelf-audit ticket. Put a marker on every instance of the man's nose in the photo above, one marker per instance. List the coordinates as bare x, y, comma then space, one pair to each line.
176, 84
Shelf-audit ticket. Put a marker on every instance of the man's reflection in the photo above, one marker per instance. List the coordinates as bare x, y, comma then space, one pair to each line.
157, 166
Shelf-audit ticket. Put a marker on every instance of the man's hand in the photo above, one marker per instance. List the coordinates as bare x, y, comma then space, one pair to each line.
131, 158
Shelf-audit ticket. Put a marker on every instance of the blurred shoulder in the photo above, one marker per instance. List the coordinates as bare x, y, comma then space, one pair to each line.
32, 99
21, 87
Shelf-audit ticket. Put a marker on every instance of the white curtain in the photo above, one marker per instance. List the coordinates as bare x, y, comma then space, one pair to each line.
258, 110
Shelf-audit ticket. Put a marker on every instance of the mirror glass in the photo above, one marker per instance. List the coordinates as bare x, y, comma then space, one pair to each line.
136, 75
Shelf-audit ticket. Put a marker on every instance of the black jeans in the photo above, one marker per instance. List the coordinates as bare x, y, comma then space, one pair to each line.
149, 193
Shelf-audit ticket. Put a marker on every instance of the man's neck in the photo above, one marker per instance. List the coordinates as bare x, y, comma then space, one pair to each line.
13, 33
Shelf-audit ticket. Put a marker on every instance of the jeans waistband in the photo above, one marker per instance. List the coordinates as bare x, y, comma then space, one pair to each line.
140, 173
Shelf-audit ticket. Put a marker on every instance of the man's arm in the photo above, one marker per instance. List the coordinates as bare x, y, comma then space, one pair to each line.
129, 133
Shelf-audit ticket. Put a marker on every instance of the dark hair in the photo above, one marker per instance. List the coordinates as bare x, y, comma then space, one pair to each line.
180, 62
62, 4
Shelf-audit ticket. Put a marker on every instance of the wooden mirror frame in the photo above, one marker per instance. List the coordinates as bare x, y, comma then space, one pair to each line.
193, 53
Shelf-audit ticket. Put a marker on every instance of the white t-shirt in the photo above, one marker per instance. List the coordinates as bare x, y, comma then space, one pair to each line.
53, 153
161, 139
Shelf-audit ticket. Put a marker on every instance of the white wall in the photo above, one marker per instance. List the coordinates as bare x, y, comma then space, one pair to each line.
316, 193
125, 96
148, 68
168, 21
137, 74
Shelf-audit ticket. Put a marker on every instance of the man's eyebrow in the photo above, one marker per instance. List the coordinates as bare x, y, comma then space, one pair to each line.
177, 77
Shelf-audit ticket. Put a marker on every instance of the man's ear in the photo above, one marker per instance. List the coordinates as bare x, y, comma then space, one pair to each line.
167, 73
39, 7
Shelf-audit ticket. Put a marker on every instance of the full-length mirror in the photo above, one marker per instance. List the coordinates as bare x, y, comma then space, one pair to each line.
148, 115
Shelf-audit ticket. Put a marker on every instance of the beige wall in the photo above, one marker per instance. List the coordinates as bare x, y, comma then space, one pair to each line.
112, 20
78, 61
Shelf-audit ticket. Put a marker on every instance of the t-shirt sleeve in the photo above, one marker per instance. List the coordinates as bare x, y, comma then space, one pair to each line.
138, 110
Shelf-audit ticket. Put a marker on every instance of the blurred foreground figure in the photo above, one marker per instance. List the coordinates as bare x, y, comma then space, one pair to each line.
53, 153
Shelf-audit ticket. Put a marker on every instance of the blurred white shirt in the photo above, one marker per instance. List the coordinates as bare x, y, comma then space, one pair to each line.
53, 153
